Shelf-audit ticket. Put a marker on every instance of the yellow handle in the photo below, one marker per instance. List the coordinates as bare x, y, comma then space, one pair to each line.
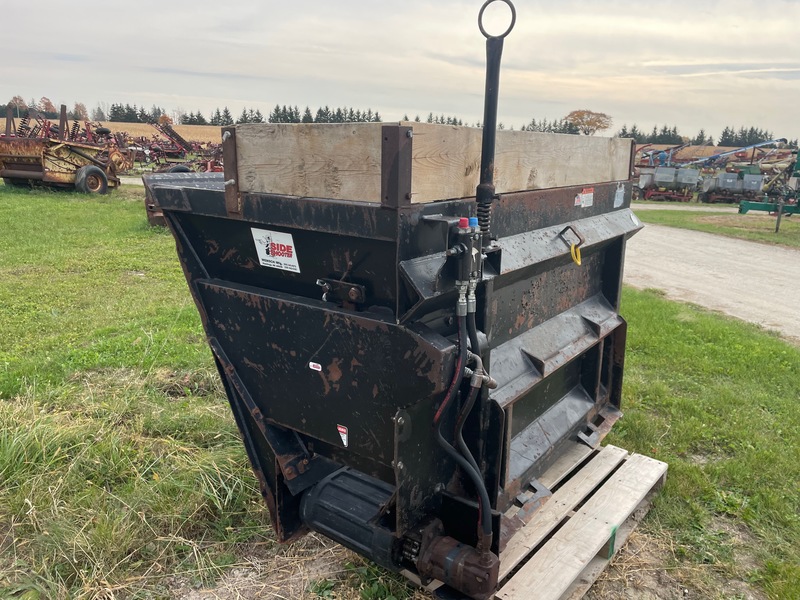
575, 251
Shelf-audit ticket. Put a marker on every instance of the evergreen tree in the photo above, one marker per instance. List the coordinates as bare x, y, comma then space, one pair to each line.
226, 119
243, 117
727, 137
307, 117
700, 138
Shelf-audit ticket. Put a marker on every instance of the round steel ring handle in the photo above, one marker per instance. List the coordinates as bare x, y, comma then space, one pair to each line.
510, 27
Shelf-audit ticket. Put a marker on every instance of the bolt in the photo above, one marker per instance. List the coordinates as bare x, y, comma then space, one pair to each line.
226, 135
230, 182
401, 421
400, 465
353, 294
410, 133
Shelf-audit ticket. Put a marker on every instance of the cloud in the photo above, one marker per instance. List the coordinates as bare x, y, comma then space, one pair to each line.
692, 64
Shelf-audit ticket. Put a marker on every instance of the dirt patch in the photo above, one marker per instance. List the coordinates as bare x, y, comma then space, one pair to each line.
288, 573
646, 569
639, 572
181, 384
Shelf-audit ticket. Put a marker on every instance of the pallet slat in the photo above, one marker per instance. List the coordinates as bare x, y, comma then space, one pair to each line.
560, 562
559, 506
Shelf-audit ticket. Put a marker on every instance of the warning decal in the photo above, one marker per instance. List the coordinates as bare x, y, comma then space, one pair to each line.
275, 249
342, 434
586, 197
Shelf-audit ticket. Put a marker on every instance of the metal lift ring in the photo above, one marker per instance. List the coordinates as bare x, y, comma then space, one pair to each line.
510, 27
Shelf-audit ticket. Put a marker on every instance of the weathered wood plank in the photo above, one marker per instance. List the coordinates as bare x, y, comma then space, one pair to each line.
343, 161
598, 564
559, 506
334, 160
555, 567
565, 463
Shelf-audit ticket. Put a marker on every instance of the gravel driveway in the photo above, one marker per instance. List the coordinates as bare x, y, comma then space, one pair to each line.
754, 282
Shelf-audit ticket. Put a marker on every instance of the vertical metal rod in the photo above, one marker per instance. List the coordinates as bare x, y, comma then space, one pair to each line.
485, 192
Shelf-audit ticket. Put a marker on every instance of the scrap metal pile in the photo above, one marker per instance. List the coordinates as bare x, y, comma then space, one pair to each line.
81, 155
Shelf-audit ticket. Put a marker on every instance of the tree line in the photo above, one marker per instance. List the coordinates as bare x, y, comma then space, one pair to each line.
577, 122
744, 136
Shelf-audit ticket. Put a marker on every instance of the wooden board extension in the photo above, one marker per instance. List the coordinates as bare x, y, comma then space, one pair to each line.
343, 161
571, 539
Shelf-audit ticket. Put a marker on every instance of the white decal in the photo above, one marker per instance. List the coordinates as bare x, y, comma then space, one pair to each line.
275, 249
342, 434
619, 195
315, 366
587, 197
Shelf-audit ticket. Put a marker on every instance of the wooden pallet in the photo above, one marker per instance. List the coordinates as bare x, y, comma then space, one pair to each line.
569, 542
599, 497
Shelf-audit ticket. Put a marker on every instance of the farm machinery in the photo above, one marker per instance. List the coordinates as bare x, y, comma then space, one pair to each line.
736, 183
422, 357
666, 183
37, 150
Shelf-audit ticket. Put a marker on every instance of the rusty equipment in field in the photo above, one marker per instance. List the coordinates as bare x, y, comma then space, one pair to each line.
417, 329
58, 155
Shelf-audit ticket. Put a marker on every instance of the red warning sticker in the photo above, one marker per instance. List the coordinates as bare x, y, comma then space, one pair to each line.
315, 366
342, 434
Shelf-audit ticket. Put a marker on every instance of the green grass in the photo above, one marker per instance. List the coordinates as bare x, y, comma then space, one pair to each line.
717, 399
754, 226
121, 468
119, 462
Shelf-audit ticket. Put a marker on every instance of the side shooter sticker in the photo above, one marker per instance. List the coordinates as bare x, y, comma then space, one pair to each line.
275, 249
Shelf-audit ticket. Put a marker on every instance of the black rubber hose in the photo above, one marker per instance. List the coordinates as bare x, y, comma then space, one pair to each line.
458, 376
473, 334
462, 418
485, 515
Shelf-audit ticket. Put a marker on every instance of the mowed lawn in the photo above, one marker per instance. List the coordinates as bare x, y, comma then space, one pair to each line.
122, 475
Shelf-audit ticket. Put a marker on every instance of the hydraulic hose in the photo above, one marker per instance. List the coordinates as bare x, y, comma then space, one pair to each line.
485, 515
462, 418
458, 376
473, 334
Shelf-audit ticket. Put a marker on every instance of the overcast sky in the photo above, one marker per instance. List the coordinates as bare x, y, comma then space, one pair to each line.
701, 63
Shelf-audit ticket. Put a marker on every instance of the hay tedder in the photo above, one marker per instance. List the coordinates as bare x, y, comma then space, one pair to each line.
39, 151
418, 330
